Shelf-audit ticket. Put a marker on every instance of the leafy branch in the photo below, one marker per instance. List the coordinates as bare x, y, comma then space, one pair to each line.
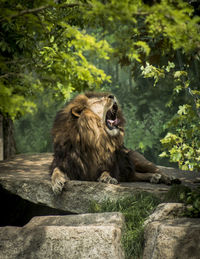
11, 74
39, 9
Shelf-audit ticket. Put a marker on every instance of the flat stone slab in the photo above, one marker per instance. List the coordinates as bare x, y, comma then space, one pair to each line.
28, 177
84, 236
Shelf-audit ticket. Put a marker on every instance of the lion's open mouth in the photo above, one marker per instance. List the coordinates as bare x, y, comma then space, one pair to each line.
112, 121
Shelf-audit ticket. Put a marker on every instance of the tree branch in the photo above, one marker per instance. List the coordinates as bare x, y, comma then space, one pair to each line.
14, 61
28, 11
11, 74
41, 8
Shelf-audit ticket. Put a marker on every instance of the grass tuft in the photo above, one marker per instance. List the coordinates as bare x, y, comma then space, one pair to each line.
135, 210
176, 193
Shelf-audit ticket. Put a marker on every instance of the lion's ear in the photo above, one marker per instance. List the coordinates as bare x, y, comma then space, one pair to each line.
76, 111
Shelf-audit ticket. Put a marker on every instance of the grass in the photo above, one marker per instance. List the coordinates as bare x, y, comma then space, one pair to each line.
176, 193
135, 210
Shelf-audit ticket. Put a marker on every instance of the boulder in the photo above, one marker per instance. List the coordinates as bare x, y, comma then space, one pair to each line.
28, 177
78, 237
169, 237
166, 211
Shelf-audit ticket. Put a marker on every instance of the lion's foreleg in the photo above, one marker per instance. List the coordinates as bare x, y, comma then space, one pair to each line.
58, 180
147, 177
143, 165
148, 171
155, 178
106, 178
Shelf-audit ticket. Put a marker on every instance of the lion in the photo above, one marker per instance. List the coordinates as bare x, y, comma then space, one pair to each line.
88, 136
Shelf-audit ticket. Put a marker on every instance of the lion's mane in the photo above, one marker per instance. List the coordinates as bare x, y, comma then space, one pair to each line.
82, 147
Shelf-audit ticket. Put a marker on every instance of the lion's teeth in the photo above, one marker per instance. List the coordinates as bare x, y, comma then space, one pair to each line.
113, 122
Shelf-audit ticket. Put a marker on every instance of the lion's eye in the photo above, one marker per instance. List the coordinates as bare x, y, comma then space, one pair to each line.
111, 96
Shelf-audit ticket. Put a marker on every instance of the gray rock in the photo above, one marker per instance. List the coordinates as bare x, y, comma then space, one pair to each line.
67, 237
169, 237
166, 211
27, 176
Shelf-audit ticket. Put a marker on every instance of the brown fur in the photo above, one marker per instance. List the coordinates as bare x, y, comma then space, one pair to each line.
86, 149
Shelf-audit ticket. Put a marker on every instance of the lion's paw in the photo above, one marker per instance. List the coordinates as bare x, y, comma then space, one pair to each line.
112, 180
169, 180
156, 178
58, 185
106, 178
58, 181
166, 179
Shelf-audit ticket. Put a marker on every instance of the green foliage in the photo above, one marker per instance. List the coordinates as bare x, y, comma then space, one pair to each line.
173, 21
143, 134
192, 200
183, 143
176, 193
183, 194
138, 29
151, 71
135, 210
42, 45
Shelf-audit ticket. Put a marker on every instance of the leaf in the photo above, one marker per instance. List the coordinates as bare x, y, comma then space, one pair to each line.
144, 46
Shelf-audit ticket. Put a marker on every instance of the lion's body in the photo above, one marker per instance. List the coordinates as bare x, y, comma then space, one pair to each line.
88, 143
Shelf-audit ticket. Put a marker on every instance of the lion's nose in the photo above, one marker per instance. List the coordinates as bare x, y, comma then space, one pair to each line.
111, 96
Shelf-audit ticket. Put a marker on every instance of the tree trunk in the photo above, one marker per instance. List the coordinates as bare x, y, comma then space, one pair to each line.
9, 147
1, 137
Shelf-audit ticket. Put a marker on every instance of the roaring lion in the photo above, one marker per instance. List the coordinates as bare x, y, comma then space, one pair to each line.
89, 145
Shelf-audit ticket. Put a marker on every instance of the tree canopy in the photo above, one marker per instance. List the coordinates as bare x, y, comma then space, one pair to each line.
44, 45
60, 46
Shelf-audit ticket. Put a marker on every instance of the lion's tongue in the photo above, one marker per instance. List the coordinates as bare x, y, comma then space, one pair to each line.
113, 122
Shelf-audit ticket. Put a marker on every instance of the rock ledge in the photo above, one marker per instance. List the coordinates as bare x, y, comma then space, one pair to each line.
27, 176
94, 236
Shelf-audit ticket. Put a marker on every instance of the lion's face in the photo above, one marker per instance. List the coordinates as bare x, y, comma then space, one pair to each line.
90, 116
106, 108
